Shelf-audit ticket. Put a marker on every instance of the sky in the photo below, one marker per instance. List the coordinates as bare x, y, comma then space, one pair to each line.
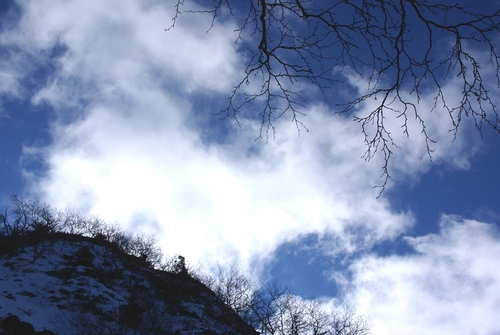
103, 111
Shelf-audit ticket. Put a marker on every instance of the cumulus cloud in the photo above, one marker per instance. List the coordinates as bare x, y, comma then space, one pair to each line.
450, 285
213, 204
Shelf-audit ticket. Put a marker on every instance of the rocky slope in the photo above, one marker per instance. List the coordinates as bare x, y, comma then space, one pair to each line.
71, 284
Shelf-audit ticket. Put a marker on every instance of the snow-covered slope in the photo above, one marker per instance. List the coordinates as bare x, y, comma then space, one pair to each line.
76, 285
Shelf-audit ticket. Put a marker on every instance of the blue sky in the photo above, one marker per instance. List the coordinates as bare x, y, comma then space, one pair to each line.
103, 111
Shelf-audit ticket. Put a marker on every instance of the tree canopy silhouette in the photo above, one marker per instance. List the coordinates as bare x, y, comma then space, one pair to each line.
403, 49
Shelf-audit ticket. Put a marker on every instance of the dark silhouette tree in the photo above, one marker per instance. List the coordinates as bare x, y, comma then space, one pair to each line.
402, 48
235, 289
274, 309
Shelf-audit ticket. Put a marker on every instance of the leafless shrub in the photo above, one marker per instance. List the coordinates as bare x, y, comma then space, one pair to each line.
274, 309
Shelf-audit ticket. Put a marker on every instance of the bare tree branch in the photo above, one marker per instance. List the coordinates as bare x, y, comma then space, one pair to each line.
404, 49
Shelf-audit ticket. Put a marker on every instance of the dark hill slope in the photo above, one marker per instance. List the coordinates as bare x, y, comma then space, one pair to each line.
71, 284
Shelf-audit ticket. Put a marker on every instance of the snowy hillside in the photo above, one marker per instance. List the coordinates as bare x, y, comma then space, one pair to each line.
71, 284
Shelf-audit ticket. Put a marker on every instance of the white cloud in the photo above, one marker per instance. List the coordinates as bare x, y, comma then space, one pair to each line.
8, 82
112, 45
450, 286
211, 204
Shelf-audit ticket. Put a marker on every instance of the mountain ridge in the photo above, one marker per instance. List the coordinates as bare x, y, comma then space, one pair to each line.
74, 284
